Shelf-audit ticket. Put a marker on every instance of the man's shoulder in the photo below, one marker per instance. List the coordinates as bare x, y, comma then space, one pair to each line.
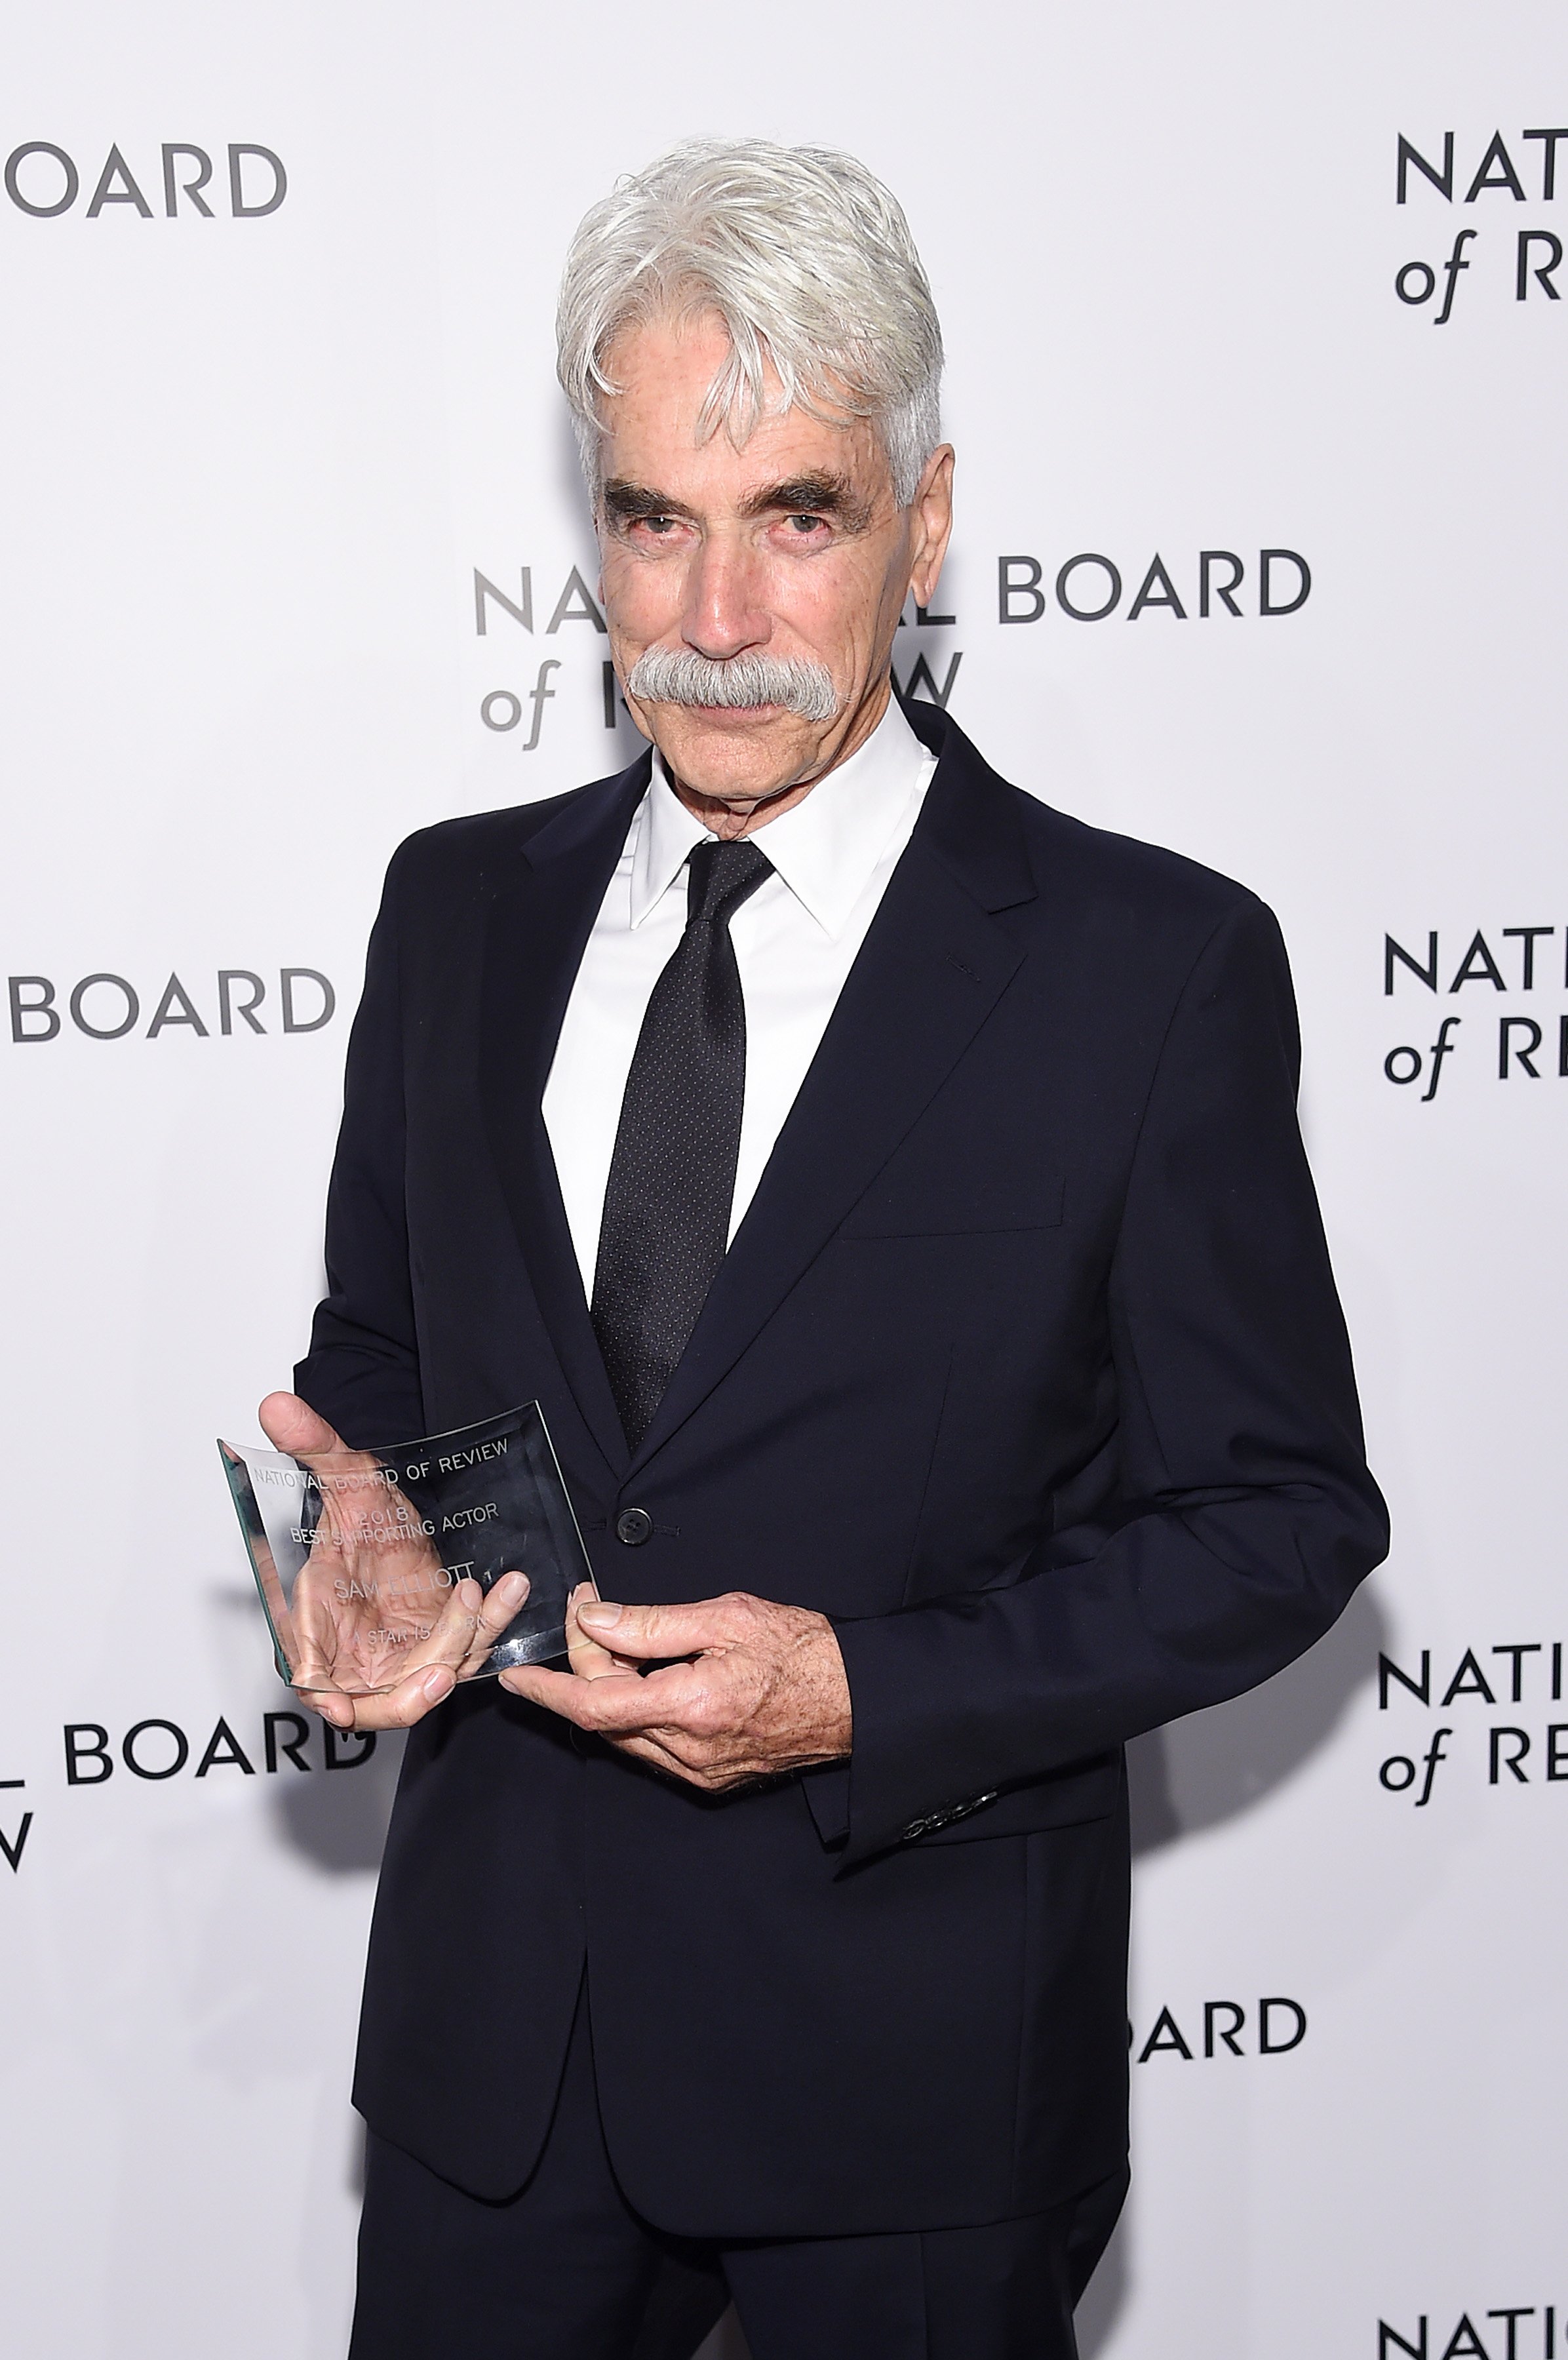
480, 849
1070, 855
1092, 873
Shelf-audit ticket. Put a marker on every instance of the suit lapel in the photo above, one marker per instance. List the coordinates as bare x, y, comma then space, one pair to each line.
539, 922
933, 965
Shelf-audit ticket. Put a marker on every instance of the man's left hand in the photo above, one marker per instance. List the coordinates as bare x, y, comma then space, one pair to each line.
760, 1690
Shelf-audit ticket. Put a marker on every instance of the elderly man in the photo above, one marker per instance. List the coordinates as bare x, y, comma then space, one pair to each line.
891, 1190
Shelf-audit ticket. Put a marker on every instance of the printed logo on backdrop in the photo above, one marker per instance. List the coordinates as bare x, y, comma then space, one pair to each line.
237, 1005
1214, 584
1211, 2030
1503, 1027
1441, 175
176, 180
1085, 587
156, 1749
1520, 2330
1489, 1716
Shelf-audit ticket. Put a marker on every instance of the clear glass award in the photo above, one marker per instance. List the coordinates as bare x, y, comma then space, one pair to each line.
360, 1554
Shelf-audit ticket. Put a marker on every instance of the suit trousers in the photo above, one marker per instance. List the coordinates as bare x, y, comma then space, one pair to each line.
567, 2270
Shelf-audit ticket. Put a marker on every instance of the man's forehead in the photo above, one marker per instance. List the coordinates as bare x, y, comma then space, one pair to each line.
790, 459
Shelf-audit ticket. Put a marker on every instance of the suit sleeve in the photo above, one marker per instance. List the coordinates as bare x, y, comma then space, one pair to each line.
362, 1372
1245, 1514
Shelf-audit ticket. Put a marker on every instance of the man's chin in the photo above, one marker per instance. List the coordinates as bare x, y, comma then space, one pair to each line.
733, 750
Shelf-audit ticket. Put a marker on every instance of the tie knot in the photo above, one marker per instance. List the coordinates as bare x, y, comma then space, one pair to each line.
719, 879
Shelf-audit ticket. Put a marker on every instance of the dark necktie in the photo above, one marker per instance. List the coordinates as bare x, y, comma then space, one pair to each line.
667, 1204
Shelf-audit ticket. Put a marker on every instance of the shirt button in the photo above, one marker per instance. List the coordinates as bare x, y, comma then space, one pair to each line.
633, 1526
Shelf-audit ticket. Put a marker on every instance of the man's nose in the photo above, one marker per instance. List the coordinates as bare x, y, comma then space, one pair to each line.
723, 613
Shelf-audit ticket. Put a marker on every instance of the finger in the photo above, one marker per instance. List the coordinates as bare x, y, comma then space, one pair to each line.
329, 1703
505, 1600
396, 1708
710, 1778
564, 1693
589, 1660
558, 1692
497, 1608
446, 1643
554, 1691
455, 1629
663, 1630
647, 1749
582, 1701
714, 1767
408, 1701
291, 1425
620, 1703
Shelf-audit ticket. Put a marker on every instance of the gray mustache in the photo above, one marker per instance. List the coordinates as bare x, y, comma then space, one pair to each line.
680, 676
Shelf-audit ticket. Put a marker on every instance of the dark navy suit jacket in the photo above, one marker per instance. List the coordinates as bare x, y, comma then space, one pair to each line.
1025, 1366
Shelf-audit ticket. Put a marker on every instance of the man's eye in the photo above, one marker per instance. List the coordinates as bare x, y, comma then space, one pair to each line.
805, 523
660, 524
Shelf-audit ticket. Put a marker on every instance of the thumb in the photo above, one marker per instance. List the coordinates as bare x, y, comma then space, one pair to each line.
291, 1425
654, 1630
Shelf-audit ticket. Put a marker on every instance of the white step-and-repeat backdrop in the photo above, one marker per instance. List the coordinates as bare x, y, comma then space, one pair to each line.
1257, 377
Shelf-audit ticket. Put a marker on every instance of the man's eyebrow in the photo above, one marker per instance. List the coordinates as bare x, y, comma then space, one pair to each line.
627, 500
811, 495
816, 494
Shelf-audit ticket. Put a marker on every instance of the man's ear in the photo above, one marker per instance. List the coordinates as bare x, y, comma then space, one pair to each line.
931, 510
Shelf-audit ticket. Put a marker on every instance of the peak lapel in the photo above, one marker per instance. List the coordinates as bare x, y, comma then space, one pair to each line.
539, 924
933, 966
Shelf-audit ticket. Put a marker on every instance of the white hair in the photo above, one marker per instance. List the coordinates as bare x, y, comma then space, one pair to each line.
808, 261
681, 676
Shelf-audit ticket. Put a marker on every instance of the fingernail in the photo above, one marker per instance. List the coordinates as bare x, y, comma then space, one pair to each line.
512, 1588
437, 1683
600, 1616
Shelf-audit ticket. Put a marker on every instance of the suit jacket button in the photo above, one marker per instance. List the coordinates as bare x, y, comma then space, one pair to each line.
633, 1525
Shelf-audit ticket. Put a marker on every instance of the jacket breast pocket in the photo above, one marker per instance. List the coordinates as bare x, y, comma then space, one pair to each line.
984, 1196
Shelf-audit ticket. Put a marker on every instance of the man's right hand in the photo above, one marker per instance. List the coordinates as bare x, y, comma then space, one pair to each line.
456, 1645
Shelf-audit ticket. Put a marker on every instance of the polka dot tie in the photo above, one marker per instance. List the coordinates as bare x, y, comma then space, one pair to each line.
667, 1204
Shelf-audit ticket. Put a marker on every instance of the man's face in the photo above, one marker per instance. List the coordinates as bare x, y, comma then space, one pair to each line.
791, 547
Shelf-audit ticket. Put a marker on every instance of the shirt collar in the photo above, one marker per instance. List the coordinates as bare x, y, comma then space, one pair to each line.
825, 849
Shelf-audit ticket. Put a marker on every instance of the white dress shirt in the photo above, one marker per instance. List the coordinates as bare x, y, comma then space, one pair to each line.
795, 941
